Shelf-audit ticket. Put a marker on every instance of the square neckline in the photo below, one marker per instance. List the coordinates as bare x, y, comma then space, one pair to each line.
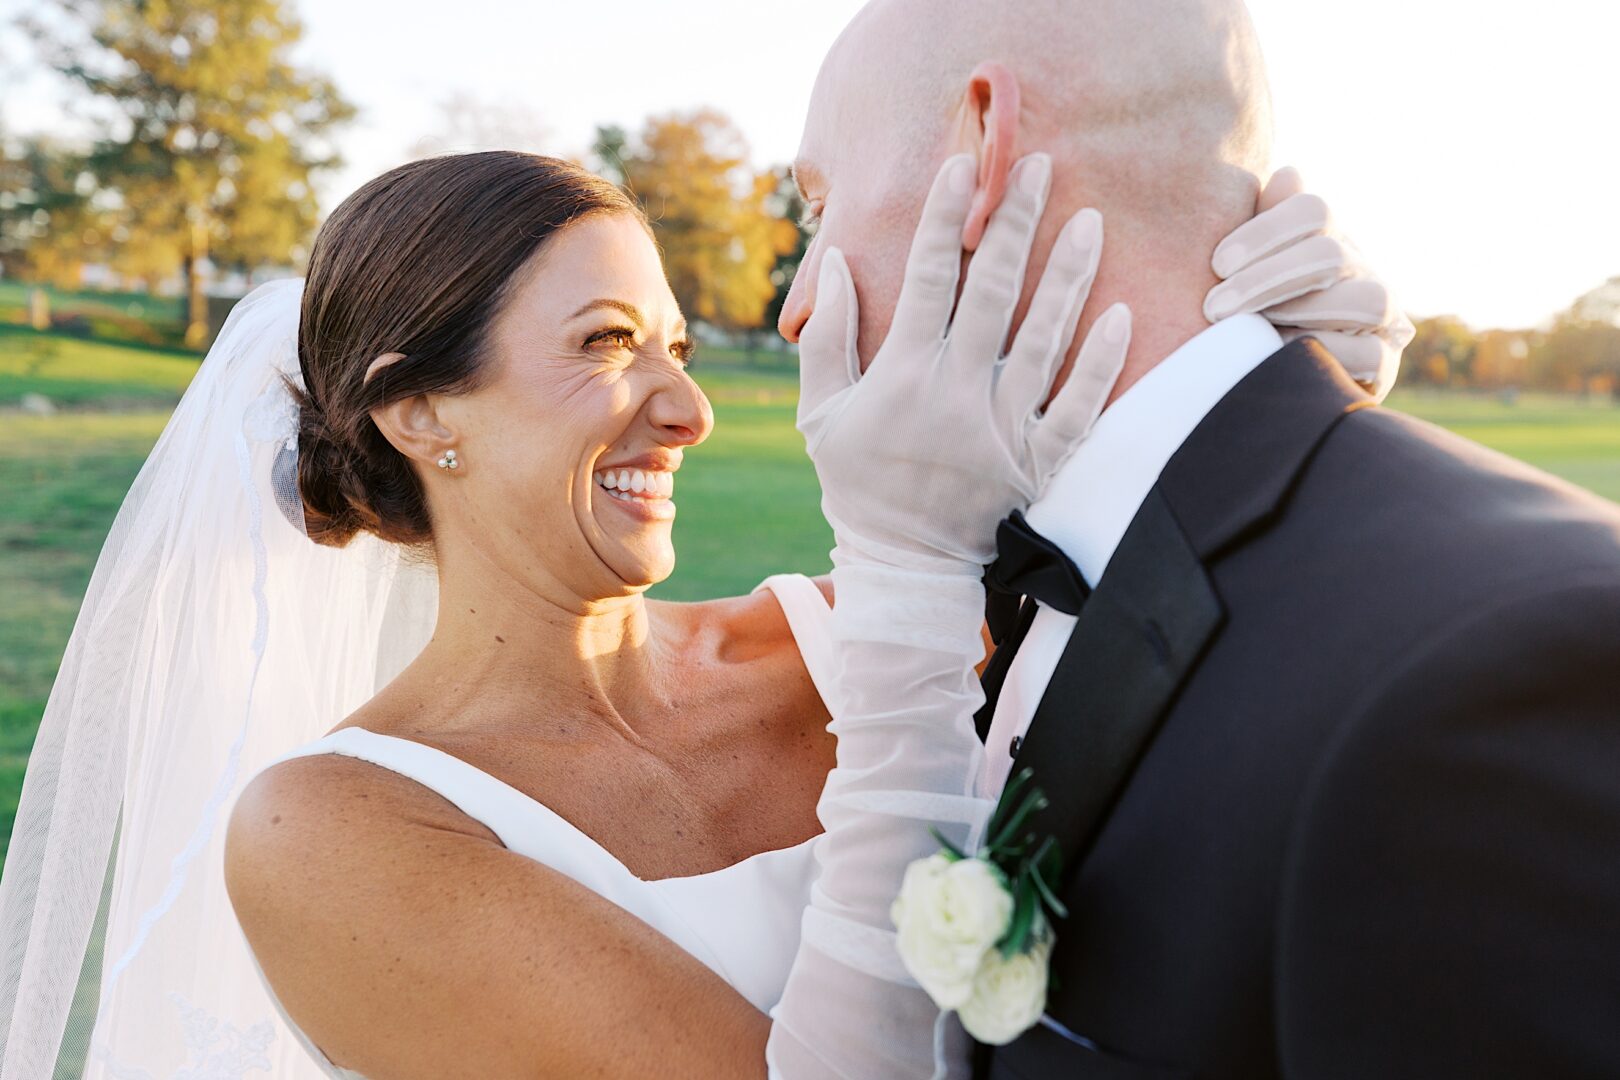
470, 771
809, 617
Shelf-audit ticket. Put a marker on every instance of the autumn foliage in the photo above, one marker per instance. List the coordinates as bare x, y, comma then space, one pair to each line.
714, 215
1577, 352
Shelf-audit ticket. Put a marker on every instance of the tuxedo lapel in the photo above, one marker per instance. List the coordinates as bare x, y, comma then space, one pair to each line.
1234, 473
1137, 637
1155, 611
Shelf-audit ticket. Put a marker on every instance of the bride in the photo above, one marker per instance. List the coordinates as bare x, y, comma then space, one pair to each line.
560, 829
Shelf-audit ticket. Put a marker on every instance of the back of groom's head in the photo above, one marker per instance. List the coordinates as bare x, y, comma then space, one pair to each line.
1156, 112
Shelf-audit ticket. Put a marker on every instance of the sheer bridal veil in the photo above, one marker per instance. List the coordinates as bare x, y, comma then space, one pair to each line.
214, 638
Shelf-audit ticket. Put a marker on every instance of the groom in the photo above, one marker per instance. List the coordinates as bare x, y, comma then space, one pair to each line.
1328, 707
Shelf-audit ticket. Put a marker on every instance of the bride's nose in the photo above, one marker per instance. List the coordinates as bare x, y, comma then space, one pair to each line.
681, 412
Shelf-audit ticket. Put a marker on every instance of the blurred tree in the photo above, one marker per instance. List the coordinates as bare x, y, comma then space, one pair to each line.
1580, 352
217, 134
1601, 305
608, 152
48, 229
712, 215
1501, 360
1442, 353
1578, 355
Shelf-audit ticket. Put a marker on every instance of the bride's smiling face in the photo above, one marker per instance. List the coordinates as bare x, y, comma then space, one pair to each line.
570, 447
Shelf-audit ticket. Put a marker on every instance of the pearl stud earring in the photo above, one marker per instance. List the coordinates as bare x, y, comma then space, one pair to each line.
449, 461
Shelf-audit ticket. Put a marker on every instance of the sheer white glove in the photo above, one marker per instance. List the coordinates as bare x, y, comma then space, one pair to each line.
1290, 264
922, 457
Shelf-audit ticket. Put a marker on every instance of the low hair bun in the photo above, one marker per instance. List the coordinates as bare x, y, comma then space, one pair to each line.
326, 483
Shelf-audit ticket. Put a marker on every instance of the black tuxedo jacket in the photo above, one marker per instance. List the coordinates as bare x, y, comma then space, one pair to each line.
1334, 752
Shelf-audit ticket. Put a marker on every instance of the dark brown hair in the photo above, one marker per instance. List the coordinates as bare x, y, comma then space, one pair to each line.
419, 261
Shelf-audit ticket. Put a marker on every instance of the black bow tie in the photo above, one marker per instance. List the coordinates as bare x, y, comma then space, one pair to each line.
1027, 565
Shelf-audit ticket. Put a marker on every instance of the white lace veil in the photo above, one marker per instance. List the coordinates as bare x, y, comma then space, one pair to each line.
214, 638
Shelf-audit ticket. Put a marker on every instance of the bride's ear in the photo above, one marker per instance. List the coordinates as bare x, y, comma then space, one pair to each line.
988, 128
411, 425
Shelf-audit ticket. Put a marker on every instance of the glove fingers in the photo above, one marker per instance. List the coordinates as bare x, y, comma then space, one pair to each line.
1077, 405
1043, 340
1358, 306
1366, 358
1308, 266
1271, 231
828, 360
928, 293
995, 277
1284, 184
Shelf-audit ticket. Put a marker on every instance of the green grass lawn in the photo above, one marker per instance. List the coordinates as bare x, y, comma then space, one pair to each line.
748, 497
90, 374
749, 502
63, 478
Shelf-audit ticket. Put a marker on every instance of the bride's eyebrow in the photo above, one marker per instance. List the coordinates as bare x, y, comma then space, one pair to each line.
630, 311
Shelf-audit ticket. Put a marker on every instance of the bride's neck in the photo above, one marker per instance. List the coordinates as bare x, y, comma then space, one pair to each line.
498, 643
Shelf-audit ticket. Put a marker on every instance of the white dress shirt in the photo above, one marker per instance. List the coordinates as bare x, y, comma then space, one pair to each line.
1097, 492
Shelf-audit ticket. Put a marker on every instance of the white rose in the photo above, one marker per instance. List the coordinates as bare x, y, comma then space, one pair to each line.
1009, 994
949, 914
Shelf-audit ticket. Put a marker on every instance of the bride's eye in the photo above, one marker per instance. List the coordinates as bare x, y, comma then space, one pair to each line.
619, 336
684, 350
810, 217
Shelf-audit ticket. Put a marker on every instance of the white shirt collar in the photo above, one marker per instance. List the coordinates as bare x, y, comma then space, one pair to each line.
1096, 494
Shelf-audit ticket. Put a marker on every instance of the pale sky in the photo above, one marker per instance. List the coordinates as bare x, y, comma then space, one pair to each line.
1470, 149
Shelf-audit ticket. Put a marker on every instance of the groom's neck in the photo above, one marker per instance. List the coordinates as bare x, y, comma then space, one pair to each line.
1151, 344
1159, 269
1165, 315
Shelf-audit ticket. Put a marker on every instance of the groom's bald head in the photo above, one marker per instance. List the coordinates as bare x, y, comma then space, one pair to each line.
1155, 111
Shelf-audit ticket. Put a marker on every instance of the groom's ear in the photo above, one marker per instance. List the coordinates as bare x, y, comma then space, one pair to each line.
989, 116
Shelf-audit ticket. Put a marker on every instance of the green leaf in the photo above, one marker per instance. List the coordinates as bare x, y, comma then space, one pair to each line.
1034, 802
1037, 878
951, 852
1026, 906
1008, 795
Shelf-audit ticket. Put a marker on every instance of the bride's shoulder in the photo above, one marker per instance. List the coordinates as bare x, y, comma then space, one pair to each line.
737, 628
302, 812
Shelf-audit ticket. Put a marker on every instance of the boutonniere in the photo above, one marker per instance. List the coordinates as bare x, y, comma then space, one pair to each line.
976, 930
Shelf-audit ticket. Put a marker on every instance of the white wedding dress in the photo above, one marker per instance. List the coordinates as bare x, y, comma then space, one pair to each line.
742, 921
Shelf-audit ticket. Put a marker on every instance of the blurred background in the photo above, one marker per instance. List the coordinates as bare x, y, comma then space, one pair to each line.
159, 158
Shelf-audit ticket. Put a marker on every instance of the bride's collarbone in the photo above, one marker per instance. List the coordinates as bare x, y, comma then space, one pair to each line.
688, 802
730, 765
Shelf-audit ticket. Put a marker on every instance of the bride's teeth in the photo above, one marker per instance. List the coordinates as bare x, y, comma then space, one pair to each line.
637, 483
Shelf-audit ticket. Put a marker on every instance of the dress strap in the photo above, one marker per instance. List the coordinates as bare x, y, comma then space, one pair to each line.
522, 824
809, 616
